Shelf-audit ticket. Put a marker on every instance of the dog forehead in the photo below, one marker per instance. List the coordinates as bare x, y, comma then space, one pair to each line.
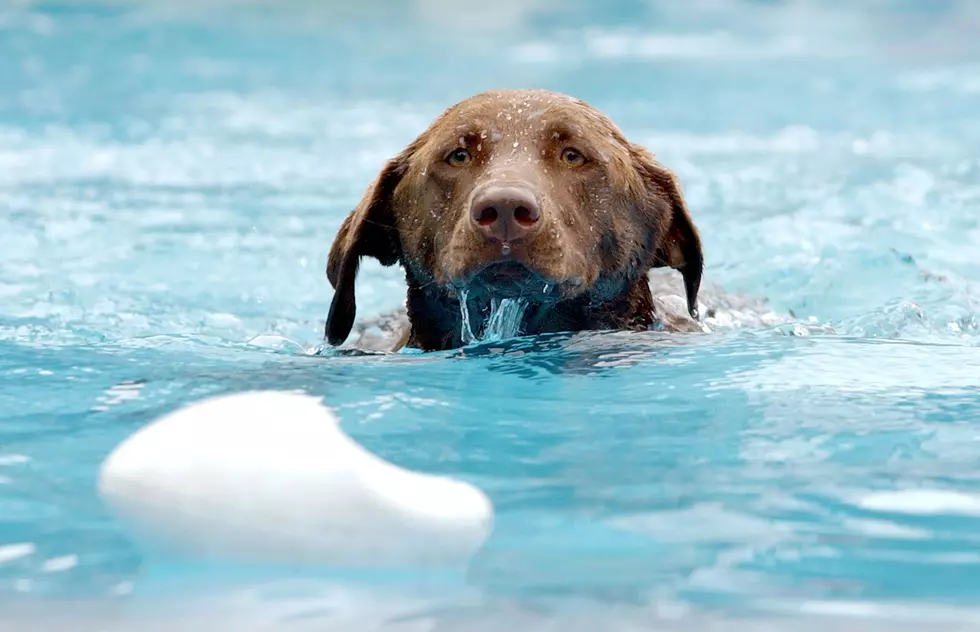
502, 113
511, 101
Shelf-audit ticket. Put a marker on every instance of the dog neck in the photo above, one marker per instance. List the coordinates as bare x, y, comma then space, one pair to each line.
437, 322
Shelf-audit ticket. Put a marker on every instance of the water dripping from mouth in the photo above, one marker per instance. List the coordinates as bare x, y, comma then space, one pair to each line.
504, 321
506, 316
466, 332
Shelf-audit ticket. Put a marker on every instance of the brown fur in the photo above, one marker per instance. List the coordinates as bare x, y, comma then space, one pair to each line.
604, 223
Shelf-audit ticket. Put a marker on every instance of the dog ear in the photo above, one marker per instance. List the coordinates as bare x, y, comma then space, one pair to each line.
369, 231
679, 244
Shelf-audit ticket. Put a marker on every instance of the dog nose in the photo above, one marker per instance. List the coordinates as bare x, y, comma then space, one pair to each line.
505, 214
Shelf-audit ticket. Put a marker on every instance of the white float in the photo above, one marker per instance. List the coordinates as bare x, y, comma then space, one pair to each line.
271, 477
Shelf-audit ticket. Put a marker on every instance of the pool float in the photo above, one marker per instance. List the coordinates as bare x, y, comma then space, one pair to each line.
271, 477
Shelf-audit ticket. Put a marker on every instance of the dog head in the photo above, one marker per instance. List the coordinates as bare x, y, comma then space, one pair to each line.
518, 193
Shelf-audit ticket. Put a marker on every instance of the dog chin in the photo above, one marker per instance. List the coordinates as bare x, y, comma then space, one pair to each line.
509, 280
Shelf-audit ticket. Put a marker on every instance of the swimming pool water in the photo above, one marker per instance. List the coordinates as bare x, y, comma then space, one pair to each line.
171, 177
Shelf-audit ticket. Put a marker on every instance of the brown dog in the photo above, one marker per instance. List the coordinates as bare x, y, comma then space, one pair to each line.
522, 194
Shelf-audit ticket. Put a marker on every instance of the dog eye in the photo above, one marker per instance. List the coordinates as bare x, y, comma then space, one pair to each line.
572, 157
458, 157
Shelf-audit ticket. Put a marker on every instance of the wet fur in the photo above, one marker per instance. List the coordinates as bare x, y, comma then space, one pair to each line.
721, 310
605, 227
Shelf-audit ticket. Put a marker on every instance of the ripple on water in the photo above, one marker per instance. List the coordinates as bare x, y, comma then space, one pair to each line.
168, 243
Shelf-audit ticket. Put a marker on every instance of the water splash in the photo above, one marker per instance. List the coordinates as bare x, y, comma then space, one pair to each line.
466, 329
506, 316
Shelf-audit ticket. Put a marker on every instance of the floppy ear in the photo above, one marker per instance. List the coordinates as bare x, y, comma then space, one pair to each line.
680, 244
369, 231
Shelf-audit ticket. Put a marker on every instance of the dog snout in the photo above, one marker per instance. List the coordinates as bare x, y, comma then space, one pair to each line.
505, 213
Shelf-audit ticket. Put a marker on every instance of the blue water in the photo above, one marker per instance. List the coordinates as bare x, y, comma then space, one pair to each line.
171, 177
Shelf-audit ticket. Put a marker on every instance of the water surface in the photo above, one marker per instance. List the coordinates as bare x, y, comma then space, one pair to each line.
170, 183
